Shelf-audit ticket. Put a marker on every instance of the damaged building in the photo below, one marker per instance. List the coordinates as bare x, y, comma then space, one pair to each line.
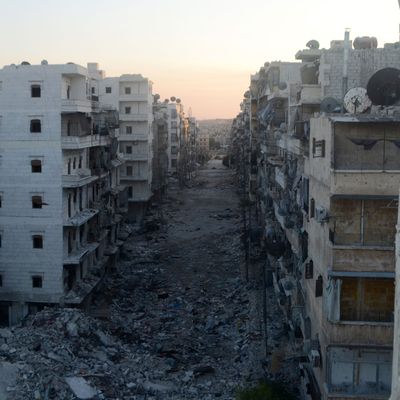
320, 146
131, 95
60, 195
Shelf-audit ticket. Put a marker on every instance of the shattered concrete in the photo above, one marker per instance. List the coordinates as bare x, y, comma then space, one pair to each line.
174, 321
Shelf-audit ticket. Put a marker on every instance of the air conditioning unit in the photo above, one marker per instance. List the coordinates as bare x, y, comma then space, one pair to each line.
321, 214
315, 358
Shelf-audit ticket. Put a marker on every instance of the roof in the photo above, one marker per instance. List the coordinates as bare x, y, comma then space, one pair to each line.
359, 118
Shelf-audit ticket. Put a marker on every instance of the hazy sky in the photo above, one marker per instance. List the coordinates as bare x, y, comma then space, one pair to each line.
202, 51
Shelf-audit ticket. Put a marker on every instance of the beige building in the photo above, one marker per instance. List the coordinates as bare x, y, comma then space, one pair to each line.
324, 171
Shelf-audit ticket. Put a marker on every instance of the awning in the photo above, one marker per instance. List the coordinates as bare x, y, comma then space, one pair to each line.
362, 274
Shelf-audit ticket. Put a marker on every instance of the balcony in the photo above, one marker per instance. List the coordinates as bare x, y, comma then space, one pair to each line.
82, 142
141, 137
364, 182
134, 117
136, 157
75, 257
73, 181
73, 106
363, 258
135, 178
81, 217
134, 97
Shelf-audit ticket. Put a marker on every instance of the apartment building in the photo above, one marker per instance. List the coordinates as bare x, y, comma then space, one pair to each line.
175, 120
132, 95
160, 148
60, 192
324, 171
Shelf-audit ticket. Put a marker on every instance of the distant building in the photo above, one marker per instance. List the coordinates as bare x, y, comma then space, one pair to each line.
175, 118
131, 94
60, 192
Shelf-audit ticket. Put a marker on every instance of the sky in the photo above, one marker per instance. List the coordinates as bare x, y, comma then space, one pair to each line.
202, 51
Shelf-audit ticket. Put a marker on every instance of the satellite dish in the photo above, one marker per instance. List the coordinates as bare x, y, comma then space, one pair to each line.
330, 105
282, 85
178, 101
313, 44
383, 88
44, 62
156, 97
356, 100
173, 98
166, 101
25, 63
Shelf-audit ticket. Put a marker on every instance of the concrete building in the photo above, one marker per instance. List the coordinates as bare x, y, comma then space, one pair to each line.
132, 96
160, 148
325, 179
175, 120
60, 192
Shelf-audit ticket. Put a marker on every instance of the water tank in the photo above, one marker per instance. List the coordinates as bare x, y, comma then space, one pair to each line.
365, 42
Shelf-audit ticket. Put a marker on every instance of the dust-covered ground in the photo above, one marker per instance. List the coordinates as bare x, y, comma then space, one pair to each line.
176, 320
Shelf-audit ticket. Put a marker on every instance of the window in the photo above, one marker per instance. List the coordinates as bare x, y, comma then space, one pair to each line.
93, 90
312, 208
35, 91
74, 163
37, 241
129, 170
173, 163
1, 280
1, 239
318, 148
1, 200
128, 130
37, 281
128, 149
318, 286
127, 110
128, 90
359, 371
36, 166
173, 124
367, 299
309, 270
80, 162
108, 89
36, 126
130, 191
37, 202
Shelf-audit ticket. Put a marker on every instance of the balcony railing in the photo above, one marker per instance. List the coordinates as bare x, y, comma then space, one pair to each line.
81, 142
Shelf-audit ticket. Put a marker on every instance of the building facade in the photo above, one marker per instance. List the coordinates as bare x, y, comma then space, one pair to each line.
323, 173
132, 95
60, 192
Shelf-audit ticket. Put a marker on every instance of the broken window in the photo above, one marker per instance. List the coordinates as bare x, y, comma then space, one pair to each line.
127, 110
35, 91
36, 126
367, 299
363, 222
108, 89
37, 241
128, 149
128, 90
37, 201
37, 281
130, 191
36, 166
359, 370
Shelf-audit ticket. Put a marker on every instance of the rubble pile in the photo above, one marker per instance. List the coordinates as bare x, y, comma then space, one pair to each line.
174, 321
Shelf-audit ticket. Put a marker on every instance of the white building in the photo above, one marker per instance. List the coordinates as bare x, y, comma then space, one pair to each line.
132, 96
175, 117
59, 174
